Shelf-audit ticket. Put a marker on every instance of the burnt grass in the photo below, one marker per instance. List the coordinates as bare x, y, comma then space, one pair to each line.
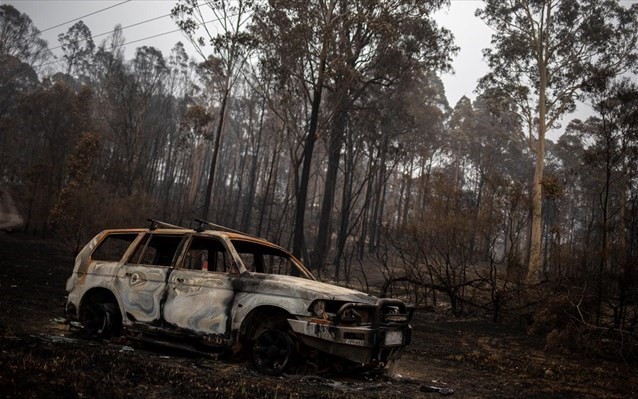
42, 356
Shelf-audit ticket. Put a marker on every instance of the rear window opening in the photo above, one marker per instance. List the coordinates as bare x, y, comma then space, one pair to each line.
113, 247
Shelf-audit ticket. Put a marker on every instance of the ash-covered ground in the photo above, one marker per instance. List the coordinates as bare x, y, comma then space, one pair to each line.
42, 357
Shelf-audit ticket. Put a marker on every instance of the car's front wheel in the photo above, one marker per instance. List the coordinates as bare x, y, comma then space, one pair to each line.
274, 351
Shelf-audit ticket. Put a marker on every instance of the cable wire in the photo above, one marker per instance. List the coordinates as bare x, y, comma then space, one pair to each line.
129, 26
123, 28
84, 16
130, 42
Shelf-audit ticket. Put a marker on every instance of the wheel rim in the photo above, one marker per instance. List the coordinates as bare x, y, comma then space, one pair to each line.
97, 320
94, 320
273, 351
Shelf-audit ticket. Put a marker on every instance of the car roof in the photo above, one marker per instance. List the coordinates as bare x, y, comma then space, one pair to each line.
214, 233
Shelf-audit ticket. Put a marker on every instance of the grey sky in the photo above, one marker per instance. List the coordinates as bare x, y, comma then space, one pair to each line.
48, 13
471, 34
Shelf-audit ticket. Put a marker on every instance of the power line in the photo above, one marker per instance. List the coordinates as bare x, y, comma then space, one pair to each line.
129, 26
132, 41
84, 16
123, 28
157, 35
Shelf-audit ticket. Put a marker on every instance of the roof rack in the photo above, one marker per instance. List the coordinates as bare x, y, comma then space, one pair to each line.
202, 223
155, 224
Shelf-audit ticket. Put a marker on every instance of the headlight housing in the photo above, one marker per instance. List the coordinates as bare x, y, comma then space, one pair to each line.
384, 311
318, 309
328, 310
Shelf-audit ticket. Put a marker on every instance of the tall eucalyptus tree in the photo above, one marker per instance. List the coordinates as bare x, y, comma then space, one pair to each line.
544, 54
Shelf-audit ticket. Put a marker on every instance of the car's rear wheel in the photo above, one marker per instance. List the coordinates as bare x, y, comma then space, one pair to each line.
274, 351
101, 320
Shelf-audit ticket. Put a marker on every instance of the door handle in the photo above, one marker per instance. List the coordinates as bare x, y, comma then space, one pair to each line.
135, 278
179, 280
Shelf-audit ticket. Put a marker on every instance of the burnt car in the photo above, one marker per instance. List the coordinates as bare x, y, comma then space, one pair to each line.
217, 288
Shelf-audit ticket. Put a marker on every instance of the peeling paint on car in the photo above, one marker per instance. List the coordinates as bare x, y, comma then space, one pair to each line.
199, 301
140, 289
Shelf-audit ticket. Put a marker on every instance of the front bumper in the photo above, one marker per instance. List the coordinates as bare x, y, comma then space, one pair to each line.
371, 344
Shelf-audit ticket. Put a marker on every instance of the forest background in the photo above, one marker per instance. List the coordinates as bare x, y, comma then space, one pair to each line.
324, 126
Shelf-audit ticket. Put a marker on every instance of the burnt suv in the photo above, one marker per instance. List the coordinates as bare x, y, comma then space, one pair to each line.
217, 288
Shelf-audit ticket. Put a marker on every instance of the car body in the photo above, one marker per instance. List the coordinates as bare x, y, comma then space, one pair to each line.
230, 290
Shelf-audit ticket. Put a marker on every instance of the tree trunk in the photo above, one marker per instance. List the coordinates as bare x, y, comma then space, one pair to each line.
272, 179
334, 156
239, 177
366, 209
534, 266
377, 212
252, 179
533, 273
346, 206
213, 163
302, 192
407, 195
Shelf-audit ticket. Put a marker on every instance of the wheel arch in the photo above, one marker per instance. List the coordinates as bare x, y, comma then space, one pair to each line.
98, 295
100, 313
260, 318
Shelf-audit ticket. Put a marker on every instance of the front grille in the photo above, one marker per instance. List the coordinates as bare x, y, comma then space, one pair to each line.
385, 311
396, 318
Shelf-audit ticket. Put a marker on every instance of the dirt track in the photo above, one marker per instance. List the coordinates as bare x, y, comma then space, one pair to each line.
41, 357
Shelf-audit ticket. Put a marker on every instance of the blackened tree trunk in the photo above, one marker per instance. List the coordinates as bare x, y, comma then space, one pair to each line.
252, 179
334, 156
213, 163
311, 138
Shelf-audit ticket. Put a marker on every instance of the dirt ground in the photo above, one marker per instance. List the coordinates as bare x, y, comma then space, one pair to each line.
41, 357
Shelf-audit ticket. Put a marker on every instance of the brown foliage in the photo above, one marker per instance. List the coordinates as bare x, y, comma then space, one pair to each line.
566, 320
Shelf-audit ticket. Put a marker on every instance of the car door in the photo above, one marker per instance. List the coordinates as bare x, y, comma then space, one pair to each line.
141, 281
200, 290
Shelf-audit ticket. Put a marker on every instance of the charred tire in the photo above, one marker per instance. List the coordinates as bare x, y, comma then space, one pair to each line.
101, 320
274, 351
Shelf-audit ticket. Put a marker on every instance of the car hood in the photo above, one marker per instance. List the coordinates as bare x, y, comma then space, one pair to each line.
300, 288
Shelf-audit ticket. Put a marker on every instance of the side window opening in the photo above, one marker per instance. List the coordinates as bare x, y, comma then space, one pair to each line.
206, 253
279, 265
157, 250
252, 262
265, 259
113, 247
